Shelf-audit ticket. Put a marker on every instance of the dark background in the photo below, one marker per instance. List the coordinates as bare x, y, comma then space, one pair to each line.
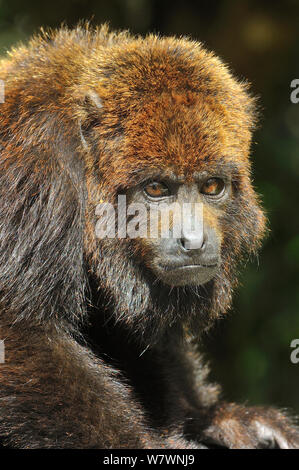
250, 350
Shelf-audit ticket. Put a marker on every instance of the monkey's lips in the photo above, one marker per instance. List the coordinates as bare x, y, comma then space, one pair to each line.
182, 275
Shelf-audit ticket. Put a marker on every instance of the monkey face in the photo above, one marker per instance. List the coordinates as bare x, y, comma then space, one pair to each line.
183, 217
176, 170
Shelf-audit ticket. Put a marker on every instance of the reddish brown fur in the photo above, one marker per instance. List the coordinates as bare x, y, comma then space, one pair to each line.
99, 352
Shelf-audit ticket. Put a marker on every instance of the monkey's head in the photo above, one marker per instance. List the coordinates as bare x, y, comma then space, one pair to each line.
167, 124
163, 123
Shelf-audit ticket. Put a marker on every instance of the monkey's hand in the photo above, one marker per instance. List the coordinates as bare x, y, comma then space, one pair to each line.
235, 426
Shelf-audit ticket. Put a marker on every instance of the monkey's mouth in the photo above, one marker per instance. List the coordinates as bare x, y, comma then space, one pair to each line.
184, 274
189, 266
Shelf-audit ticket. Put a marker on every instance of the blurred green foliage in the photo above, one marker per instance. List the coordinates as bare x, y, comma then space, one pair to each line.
250, 350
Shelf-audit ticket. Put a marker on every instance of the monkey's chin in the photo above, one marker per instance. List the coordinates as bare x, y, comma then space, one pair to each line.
187, 275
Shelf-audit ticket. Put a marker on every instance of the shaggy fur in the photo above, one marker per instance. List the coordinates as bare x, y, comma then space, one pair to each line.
98, 351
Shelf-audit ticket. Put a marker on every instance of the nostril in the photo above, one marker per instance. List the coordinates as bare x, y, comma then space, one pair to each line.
181, 241
189, 244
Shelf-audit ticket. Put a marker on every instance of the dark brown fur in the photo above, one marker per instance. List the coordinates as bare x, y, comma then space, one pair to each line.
99, 352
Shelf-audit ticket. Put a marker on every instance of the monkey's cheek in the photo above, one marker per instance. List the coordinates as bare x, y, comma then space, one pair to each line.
187, 275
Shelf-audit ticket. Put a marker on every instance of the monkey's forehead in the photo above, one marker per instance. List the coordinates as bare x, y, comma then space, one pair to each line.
176, 131
178, 145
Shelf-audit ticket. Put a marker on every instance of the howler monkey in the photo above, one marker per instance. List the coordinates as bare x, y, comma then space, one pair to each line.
100, 332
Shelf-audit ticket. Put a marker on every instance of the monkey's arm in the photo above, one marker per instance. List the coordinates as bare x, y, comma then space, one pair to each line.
207, 419
55, 393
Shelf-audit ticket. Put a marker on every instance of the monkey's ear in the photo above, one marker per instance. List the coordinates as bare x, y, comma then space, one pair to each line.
90, 114
93, 98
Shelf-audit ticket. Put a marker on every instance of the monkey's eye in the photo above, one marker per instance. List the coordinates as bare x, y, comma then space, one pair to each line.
156, 189
213, 187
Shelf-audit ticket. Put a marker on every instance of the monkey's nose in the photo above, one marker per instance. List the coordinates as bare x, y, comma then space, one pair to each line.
193, 241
